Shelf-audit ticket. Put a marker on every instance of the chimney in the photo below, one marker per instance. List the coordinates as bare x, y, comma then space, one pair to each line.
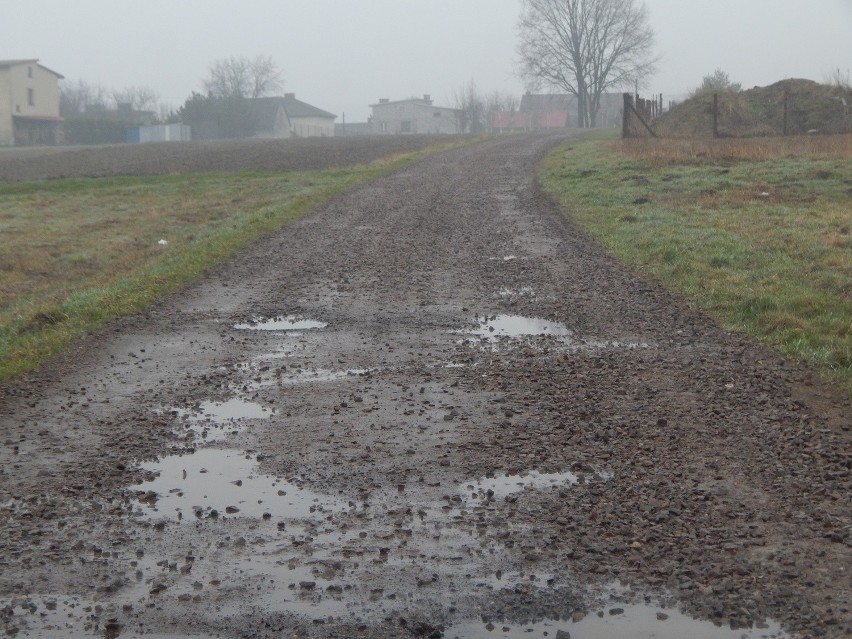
383, 100
427, 98
289, 96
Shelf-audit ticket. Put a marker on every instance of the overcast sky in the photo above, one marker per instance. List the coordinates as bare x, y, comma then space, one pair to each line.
343, 55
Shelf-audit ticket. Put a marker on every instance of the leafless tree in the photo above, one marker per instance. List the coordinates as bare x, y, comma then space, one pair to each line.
497, 102
139, 98
470, 108
242, 77
80, 96
839, 79
585, 48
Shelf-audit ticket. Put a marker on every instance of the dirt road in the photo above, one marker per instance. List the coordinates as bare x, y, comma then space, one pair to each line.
431, 408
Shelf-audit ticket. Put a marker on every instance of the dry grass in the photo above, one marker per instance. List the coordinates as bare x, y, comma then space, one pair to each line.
660, 152
756, 231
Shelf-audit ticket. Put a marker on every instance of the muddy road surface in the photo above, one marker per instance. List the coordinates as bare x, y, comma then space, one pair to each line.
432, 408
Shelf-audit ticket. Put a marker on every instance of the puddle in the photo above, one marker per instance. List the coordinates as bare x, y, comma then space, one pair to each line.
224, 483
501, 486
289, 323
524, 291
214, 421
264, 376
319, 375
617, 621
517, 326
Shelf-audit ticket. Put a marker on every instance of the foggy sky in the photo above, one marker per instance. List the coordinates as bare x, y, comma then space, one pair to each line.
343, 55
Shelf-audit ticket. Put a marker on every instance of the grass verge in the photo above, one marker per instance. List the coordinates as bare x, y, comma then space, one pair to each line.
756, 232
77, 253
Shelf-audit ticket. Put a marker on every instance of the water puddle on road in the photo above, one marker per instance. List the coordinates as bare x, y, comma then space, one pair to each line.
517, 326
289, 323
493, 330
63, 616
501, 486
617, 621
523, 291
290, 377
214, 421
214, 483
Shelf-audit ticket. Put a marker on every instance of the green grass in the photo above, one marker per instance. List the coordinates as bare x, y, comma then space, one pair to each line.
77, 253
762, 241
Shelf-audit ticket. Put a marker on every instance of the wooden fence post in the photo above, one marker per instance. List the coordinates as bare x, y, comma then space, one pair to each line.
625, 123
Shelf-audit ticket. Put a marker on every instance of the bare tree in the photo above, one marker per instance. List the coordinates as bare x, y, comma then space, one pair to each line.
139, 98
242, 78
585, 47
839, 79
80, 96
470, 108
497, 102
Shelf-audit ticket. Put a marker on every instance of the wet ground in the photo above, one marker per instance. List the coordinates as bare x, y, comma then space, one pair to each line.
432, 408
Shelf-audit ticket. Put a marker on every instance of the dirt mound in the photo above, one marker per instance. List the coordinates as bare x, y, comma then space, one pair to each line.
811, 107
163, 158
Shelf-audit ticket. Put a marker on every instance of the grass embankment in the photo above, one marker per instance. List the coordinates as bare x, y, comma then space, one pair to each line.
77, 253
758, 231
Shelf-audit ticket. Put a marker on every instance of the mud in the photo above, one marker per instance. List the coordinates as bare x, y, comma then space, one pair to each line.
398, 469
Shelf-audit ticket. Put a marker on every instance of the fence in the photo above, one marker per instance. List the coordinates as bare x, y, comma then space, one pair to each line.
638, 114
790, 107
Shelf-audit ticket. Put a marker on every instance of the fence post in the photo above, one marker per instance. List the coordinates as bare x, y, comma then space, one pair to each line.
625, 125
715, 115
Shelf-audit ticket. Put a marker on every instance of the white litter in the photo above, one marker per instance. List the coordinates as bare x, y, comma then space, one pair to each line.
162, 242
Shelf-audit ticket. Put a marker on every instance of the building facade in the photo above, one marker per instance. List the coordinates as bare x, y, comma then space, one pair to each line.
29, 104
307, 121
415, 115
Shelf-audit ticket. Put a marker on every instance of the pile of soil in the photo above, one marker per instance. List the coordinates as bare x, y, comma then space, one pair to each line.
811, 107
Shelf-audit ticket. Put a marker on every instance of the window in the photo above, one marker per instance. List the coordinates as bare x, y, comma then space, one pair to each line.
384, 127
30, 97
29, 72
405, 126
436, 114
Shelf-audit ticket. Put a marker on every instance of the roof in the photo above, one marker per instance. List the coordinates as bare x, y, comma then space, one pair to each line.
423, 101
537, 120
14, 63
546, 102
298, 109
265, 110
40, 118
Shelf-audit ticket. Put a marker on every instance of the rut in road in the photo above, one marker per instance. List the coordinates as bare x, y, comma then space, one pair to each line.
433, 407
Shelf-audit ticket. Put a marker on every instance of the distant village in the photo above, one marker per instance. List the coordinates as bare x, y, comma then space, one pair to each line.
30, 115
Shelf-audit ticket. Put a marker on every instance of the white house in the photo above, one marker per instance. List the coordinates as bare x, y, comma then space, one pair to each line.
287, 117
415, 115
29, 104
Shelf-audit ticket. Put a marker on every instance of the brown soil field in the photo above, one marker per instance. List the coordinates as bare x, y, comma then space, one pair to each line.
164, 158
